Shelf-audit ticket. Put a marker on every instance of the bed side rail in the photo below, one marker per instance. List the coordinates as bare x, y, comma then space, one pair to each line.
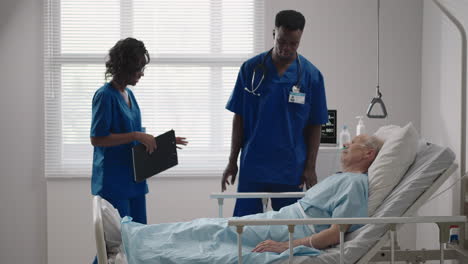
99, 231
443, 222
263, 195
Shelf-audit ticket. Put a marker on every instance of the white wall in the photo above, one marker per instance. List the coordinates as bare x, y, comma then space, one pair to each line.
22, 183
440, 97
340, 38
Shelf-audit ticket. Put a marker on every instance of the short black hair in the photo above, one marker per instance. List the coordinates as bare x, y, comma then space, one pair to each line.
125, 58
290, 19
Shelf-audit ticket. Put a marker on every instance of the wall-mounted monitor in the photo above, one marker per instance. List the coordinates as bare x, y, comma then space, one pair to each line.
329, 129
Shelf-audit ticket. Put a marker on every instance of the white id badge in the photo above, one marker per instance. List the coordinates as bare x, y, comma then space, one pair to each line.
298, 98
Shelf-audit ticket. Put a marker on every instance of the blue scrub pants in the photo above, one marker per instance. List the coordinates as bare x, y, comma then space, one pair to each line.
134, 207
250, 206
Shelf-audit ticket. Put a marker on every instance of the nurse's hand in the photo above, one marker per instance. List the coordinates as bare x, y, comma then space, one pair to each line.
271, 246
181, 141
230, 171
147, 140
309, 178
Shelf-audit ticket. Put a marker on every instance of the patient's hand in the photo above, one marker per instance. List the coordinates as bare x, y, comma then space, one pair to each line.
271, 246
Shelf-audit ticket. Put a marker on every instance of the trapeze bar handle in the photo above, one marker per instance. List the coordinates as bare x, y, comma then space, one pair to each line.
377, 101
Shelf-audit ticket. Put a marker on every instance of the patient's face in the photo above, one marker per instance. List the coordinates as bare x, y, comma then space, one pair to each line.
354, 151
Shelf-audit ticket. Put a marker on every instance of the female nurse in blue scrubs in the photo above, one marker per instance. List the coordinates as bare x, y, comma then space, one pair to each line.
116, 128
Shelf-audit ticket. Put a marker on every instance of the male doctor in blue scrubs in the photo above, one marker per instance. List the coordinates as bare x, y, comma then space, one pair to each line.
279, 105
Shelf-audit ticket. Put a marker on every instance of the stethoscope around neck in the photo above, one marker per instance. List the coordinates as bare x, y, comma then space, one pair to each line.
262, 67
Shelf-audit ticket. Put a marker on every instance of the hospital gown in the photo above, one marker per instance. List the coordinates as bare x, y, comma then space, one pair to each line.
211, 240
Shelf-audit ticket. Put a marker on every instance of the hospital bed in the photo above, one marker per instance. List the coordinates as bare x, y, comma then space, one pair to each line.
431, 168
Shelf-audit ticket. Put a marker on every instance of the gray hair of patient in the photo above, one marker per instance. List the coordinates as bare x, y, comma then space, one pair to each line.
374, 143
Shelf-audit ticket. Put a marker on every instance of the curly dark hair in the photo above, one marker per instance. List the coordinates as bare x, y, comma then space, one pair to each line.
290, 19
125, 58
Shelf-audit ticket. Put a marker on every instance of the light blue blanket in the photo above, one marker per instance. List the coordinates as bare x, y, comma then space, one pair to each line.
210, 240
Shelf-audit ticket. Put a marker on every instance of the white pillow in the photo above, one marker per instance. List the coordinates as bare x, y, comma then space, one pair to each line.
397, 154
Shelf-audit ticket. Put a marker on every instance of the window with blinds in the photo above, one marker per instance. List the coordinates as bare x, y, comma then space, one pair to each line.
196, 49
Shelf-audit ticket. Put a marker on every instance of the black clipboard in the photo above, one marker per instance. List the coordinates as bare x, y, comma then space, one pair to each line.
164, 157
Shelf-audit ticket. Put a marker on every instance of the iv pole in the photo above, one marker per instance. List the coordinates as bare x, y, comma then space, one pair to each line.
462, 31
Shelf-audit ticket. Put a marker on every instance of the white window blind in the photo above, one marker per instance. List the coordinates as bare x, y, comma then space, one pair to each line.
196, 49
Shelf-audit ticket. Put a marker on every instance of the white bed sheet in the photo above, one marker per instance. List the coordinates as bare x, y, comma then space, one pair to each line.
431, 161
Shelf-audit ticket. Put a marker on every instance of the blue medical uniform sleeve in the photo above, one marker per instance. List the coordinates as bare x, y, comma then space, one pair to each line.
101, 114
236, 101
318, 111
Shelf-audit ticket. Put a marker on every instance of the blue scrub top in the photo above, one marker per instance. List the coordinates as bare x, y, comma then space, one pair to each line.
273, 147
113, 166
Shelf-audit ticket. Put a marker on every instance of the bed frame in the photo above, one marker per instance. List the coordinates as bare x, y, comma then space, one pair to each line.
99, 231
375, 254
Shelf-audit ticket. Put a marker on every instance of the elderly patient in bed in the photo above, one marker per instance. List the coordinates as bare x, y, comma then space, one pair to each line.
344, 194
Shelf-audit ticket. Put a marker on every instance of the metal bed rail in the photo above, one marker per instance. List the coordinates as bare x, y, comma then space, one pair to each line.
263, 195
443, 222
